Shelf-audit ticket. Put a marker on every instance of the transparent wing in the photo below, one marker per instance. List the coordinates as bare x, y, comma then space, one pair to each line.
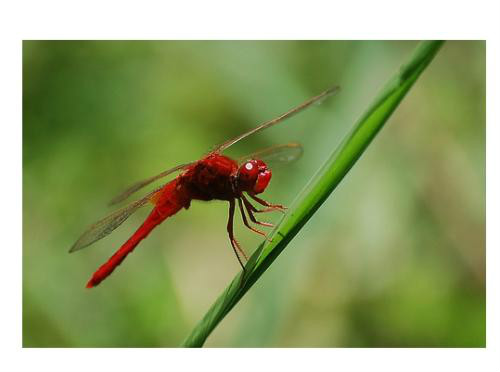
139, 185
105, 226
275, 155
317, 99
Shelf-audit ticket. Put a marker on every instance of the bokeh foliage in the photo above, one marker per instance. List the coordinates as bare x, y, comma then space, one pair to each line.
395, 257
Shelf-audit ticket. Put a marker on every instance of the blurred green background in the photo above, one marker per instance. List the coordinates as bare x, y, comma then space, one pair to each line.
395, 257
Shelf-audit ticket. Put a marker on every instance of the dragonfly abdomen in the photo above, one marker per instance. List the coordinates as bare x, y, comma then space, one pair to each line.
169, 200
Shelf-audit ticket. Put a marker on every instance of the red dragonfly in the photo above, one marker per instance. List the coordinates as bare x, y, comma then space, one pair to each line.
214, 176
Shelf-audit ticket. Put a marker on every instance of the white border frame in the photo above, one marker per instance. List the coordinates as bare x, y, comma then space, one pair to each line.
227, 20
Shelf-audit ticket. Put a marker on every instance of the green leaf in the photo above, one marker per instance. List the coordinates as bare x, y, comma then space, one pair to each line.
318, 188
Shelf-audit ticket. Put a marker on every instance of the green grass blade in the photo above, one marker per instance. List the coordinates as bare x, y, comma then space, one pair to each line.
319, 188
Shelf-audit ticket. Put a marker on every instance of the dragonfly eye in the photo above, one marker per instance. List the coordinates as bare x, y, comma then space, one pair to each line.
262, 180
253, 176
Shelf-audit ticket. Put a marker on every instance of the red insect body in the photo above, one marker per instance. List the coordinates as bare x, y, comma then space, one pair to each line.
215, 176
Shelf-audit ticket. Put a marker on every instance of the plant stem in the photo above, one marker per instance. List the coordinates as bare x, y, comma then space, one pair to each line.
319, 187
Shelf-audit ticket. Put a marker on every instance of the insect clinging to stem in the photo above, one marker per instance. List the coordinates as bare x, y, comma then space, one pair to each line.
214, 176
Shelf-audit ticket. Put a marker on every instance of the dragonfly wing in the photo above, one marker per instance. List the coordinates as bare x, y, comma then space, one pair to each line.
104, 227
314, 100
274, 155
139, 185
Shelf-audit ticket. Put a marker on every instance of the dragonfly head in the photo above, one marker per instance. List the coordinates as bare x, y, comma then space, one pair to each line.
253, 176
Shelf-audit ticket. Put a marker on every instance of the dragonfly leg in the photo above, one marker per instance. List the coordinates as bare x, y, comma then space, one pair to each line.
245, 221
270, 207
251, 209
234, 243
